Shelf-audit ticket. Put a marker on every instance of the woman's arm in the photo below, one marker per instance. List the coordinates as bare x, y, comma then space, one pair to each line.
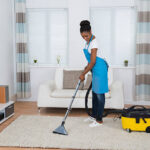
86, 66
90, 65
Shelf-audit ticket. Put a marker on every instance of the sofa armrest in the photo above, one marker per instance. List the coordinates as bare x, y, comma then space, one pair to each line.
117, 94
47, 87
44, 91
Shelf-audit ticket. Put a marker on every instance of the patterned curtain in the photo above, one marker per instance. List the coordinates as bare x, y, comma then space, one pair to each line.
143, 51
22, 64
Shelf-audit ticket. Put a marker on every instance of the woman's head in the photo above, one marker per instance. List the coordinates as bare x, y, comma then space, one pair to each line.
85, 30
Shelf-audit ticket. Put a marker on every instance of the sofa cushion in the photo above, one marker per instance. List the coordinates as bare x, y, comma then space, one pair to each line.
68, 93
71, 78
64, 93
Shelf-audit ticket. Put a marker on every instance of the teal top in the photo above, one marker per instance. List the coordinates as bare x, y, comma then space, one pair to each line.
99, 73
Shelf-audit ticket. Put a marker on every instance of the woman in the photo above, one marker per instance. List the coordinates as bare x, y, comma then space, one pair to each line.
99, 69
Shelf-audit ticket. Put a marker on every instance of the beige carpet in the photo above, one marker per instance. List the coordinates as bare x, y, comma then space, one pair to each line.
36, 131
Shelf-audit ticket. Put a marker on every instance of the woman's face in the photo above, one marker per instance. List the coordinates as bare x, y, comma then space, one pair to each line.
86, 36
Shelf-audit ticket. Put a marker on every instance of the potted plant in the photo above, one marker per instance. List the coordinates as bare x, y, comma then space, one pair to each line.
126, 63
35, 61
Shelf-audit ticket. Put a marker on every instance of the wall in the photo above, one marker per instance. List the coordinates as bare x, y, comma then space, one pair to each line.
6, 45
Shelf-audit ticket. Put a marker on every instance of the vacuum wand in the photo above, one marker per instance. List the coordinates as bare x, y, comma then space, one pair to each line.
61, 128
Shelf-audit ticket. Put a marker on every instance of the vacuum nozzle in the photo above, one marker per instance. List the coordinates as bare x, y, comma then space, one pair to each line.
61, 130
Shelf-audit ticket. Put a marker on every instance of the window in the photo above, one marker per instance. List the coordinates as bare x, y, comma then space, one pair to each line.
115, 29
47, 35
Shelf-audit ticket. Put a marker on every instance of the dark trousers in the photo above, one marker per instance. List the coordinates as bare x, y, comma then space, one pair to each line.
98, 103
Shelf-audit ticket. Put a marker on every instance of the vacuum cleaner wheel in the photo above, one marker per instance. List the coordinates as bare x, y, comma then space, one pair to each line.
128, 130
148, 129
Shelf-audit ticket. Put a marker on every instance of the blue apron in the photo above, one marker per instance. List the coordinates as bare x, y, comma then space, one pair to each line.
99, 73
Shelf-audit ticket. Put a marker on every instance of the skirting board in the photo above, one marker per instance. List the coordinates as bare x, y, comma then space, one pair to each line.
147, 103
13, 98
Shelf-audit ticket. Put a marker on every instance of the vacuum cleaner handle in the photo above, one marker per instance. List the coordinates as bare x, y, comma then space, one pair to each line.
77, 87
137, 106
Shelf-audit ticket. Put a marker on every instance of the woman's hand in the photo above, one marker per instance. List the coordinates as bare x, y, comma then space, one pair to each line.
85, 67
82, 77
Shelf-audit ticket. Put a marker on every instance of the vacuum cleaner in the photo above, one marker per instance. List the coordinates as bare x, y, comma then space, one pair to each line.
136, 118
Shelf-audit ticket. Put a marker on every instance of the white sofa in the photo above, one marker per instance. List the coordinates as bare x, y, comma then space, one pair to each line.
52, 94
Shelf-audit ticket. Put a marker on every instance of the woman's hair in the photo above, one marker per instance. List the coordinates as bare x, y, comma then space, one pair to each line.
85, 26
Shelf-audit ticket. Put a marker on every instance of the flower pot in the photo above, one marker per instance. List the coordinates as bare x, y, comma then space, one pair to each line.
126, 64
35, 61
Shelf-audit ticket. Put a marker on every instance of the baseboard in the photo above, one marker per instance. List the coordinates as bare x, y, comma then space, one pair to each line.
26, 100
147, 103
13, 98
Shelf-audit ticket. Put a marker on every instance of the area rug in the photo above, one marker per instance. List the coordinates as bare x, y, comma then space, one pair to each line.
36, 131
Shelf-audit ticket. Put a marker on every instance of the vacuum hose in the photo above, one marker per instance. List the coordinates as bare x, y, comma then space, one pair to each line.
86, 100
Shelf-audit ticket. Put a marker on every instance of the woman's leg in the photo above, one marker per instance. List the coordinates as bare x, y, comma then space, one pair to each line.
94, 105
100, 106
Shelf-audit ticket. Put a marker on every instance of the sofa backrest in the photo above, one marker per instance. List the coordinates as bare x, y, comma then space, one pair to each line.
59, 76
110, 76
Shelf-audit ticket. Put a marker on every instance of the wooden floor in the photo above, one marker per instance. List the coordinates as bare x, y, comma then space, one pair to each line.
30, 108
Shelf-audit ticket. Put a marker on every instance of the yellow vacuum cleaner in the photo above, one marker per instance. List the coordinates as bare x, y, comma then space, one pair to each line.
136, 118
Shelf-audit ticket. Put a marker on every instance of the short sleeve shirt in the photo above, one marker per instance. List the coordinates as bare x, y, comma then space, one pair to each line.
94, 44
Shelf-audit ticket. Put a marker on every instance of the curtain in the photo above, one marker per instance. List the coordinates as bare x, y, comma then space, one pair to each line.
143, 51
22, 57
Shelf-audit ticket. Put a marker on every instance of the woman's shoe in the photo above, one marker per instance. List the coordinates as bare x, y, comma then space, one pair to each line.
96, 124
89, 119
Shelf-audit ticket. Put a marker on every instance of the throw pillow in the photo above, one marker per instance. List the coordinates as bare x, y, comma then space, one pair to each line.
71, 78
